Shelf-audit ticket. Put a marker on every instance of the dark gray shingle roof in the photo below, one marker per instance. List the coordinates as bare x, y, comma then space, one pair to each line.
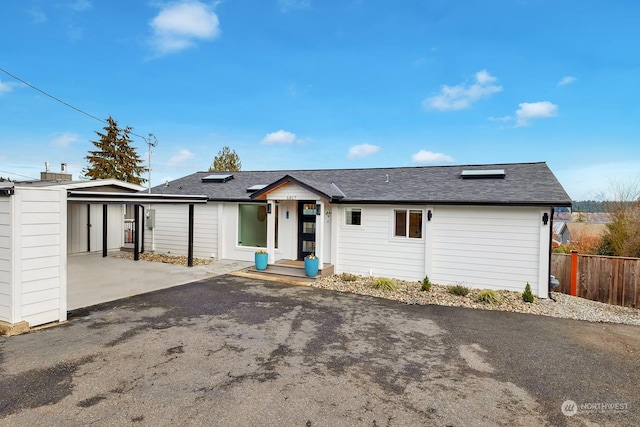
523, 184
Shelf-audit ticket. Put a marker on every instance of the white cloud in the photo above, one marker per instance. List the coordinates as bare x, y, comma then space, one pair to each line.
75, 33
503, 119
279, 137
180, 157
566, 80
483, 77
287, 5
37, 16
362, 150
461, 96
534, 110
294, 91
65, 139
429, 157
80, 5
5, 87
179, 25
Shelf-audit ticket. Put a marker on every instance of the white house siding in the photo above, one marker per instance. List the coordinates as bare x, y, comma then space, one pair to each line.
371, 249
171, 230
292, 192
77, 227
487, 247
5, 259
40, 277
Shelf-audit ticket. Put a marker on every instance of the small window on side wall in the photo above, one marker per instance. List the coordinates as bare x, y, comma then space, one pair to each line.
353, 216
408, 223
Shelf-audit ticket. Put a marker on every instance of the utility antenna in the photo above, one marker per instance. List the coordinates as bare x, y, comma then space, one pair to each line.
151, 143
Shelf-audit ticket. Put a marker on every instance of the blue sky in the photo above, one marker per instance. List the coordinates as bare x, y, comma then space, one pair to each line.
327, 84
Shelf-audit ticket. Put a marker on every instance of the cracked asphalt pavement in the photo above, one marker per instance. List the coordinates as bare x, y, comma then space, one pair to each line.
234, 351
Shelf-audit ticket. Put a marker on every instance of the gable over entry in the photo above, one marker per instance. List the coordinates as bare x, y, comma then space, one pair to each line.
302, 226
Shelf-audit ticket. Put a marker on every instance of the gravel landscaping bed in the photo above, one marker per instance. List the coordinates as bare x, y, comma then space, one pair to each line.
158, 257
565, 306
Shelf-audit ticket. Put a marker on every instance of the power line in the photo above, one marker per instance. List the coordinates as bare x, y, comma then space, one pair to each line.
61, 101
17, 174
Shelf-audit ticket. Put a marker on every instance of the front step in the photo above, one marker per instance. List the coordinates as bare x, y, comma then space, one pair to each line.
292, 269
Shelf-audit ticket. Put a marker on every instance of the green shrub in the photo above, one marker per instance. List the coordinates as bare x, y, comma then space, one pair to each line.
385, 284
348, 277
527, 295
458, 290
562, 249
489, 296
426, 284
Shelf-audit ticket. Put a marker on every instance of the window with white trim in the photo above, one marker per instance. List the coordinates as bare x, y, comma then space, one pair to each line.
408, 223
353, 216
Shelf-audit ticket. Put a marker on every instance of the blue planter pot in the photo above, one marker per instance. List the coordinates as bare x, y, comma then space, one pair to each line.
261, 261
311, 266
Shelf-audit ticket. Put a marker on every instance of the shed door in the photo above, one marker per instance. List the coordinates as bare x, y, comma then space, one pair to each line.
306, 228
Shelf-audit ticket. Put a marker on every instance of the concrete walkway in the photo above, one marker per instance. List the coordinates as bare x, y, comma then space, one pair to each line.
93, 279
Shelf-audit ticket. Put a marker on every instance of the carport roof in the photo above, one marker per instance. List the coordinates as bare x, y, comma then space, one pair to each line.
105, 197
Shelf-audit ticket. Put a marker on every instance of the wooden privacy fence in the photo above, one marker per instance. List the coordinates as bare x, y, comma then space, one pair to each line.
613, 280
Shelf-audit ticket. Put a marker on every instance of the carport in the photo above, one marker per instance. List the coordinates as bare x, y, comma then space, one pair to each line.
93, 278
138, 200
33, 247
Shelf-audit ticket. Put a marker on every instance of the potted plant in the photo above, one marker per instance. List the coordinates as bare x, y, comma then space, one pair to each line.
261, 259
311, 263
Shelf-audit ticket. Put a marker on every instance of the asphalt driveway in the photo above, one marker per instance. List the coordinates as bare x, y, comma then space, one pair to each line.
234, 351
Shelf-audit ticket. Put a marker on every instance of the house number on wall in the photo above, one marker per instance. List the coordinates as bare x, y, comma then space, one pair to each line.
291, 197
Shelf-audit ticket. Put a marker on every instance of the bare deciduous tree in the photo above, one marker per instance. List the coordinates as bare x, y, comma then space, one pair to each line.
623, 232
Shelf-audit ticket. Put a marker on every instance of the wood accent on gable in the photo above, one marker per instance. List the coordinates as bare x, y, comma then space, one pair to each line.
264, 195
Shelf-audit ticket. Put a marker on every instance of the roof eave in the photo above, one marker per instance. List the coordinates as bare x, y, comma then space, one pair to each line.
457, 202
110, 197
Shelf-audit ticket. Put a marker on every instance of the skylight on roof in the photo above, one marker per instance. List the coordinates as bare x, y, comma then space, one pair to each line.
256, 188
482, 173
217, 178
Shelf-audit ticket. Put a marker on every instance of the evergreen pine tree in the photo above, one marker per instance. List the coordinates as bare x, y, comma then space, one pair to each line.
114, 156
227, 160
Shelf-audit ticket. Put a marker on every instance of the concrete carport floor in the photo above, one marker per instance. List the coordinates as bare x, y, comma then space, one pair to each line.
93, 279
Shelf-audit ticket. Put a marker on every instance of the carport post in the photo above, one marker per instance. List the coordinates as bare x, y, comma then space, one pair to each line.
136, 223
104, 230
190, 252
142, 231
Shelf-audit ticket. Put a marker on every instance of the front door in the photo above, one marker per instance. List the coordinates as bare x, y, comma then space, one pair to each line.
306, 229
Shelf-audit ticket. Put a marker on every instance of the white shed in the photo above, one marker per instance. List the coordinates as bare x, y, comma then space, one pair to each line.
33, 256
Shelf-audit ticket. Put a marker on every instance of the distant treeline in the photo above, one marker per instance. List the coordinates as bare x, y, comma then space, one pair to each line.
587, 206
